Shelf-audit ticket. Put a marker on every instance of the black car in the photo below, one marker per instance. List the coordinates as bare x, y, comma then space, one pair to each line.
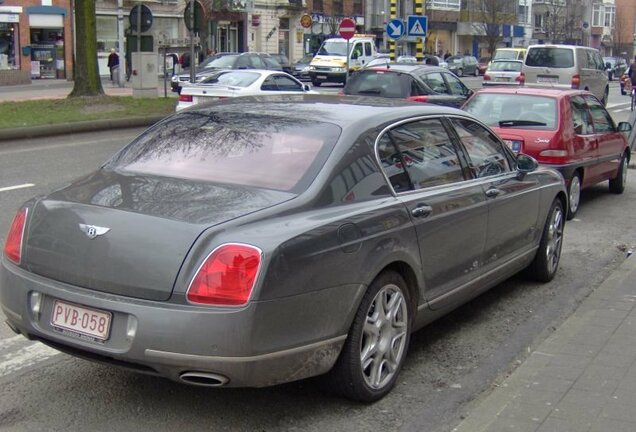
414, 82
227, 61
284, 62
301, 67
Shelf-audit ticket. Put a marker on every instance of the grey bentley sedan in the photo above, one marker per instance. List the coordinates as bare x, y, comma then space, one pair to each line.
258, 241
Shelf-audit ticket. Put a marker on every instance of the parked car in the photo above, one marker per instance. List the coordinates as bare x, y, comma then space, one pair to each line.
483, 64
509, 54
265, 240
379, 61
463, 65
567, 66
406, 81
301, 68
504, 72
283, 61
235, 83
227, 61
615, 67
406, 59
569, 130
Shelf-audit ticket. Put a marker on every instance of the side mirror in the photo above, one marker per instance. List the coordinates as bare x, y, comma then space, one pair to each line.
306, 87
469, 92
624, 127
526, 164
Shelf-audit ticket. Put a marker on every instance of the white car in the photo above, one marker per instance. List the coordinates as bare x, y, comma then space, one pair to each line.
235, 83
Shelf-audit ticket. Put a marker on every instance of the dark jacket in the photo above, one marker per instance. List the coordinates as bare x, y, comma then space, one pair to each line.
113, 60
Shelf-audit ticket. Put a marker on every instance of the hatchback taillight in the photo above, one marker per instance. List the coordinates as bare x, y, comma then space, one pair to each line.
576, 81
227, 276
486, 77
521, 79
13, 244
185, 98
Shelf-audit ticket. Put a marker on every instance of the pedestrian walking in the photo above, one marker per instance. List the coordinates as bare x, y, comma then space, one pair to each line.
113, 62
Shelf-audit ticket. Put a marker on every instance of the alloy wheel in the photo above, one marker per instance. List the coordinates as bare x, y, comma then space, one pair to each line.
555, 236
574, 194
384, 337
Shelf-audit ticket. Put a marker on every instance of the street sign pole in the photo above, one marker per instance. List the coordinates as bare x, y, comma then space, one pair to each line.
348, 60
120, 41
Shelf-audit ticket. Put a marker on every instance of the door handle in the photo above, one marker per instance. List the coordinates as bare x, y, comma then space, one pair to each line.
493, 192
422, 210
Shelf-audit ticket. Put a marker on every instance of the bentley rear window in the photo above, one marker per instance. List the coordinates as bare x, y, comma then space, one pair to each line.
229, 147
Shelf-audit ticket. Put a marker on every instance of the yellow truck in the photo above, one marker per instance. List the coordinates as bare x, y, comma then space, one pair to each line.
330, 63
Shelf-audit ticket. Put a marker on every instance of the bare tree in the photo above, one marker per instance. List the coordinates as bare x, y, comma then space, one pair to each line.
490, 16
86, 72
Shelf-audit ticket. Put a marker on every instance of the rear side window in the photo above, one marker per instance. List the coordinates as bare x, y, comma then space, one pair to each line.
232, 148
603, 122
551, 57
379, 83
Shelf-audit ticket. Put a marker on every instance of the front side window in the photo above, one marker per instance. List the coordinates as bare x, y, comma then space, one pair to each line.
427, 152
486, 154
603, 122
456, 87
436, 82
285, 83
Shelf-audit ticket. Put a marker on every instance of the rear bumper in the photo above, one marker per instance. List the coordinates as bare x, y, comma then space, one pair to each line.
261, 344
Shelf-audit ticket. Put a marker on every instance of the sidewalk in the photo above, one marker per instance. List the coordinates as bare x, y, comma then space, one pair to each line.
581, 379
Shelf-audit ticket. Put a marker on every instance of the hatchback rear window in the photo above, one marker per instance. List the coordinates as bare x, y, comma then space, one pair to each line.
379, 83
551, 57
232, 148
505, 66
519, 111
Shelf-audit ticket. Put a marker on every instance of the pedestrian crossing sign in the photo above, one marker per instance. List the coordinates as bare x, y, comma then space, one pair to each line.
417, 25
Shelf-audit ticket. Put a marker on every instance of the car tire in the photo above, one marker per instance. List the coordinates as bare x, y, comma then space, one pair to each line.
460, 72
617, 184
546, 261
374, 352
605, 97
574, 195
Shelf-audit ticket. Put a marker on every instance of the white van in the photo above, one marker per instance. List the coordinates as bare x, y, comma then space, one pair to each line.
567, 66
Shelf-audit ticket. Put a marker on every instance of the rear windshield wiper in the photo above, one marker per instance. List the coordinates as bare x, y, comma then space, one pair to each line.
370, 91
510, 123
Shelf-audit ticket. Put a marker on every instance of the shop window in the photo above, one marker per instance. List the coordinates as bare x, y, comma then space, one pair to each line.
9, 46
47, 53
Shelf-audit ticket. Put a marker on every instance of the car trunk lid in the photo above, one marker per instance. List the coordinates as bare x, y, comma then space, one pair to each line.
129, 235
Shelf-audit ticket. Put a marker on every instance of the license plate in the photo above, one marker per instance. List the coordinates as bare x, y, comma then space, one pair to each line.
81, 321
502, 79
545, 79
515, 146
321, 77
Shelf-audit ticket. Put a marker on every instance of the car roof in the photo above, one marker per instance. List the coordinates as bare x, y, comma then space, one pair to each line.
344, 111
406, 67
534, 91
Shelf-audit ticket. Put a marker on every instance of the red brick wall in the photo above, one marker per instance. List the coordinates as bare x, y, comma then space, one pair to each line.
626, 14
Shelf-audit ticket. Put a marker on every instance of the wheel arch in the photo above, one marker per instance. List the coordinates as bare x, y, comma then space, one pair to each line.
410, 278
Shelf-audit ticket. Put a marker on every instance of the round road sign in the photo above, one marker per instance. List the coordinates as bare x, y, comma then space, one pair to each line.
305, 21
347, 28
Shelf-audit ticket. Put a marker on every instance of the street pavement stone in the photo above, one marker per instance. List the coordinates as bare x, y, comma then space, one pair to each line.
582, 378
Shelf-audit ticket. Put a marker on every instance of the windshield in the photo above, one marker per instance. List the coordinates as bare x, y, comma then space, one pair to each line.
505, 66
333, 47
379, 83
551, 57
234, 79
515, 109
222, 62
454, 60
306, 59
505, 55
232, 148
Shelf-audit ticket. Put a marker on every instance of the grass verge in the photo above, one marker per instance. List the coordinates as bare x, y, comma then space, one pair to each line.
56, 111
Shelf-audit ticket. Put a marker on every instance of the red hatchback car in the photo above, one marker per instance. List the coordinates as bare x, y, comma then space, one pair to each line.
569, 130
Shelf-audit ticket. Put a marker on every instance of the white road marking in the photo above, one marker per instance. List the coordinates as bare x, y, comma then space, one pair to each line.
25, 357
22, 186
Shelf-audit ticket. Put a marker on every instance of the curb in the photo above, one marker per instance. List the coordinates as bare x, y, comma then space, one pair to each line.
69, 128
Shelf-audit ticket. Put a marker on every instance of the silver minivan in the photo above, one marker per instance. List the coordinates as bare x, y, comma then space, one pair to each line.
567, 66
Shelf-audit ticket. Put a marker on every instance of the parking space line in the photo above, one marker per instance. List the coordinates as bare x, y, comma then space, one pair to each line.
22, 186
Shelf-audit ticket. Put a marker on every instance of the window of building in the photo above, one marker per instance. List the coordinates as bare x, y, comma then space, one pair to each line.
338, 7
443, 4
538, 22
357, 7
610, 12
9, 46
597, 15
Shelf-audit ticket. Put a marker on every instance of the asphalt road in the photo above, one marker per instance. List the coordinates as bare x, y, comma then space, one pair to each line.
451, 364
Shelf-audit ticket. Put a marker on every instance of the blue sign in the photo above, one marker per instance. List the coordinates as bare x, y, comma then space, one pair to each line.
417, 25
395, 29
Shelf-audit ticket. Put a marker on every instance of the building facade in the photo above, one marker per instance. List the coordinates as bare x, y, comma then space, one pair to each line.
36, 40
624, 41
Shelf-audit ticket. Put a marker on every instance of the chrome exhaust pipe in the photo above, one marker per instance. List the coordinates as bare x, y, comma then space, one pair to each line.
206, 379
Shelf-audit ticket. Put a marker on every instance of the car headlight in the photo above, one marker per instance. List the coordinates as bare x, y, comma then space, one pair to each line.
338, 69
306, 69
312, 68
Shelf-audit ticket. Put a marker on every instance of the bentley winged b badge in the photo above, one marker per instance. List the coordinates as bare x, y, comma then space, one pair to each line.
93, 231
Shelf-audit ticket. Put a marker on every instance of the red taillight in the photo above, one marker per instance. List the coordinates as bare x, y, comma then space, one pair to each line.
576, 81
185, 98
521, 79
420, 98
13, 244
486, 77
227, 276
